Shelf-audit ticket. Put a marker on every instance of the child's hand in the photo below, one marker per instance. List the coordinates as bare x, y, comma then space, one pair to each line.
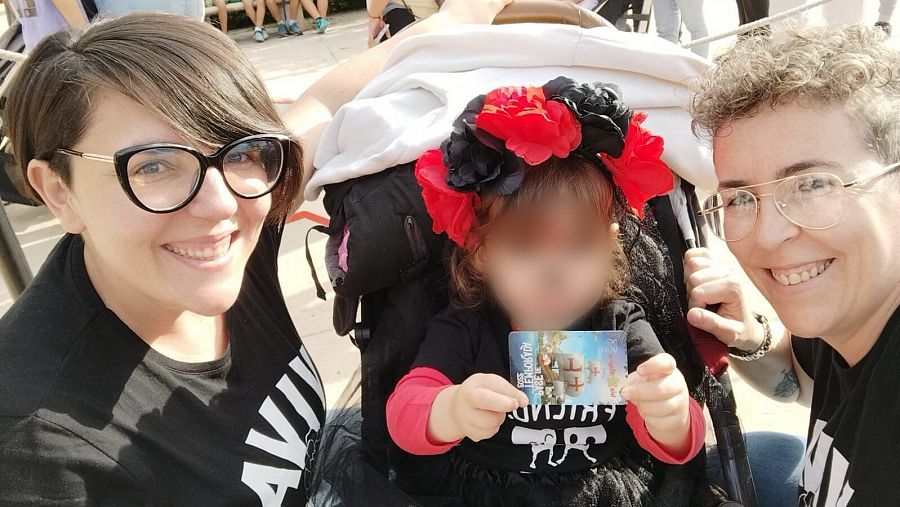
474, 409
659, 392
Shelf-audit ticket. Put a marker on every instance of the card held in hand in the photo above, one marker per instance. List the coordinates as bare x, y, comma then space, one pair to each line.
569, 367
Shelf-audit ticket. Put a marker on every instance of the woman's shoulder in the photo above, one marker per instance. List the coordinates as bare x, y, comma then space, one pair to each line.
37, 332
59, 298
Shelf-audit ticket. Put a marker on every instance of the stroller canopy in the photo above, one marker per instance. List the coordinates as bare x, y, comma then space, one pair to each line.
428, 80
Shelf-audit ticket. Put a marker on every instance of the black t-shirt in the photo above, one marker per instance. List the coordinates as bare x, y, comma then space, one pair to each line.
853, 446
89, 413
540, 439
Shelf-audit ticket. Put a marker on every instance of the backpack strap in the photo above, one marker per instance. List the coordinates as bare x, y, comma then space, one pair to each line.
320, 291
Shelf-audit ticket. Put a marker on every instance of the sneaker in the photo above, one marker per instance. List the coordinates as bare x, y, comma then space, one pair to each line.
885, 26
259, 35
322, 25
282, 30
294, 28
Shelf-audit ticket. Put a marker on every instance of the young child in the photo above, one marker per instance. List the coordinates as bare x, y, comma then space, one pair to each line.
526, 186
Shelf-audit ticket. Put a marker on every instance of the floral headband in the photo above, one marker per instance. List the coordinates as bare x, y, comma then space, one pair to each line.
499, 135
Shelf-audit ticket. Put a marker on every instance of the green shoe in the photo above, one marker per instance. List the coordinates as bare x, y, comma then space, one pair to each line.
322, 25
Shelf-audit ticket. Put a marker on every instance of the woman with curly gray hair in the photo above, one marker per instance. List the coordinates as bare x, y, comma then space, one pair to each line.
806, 143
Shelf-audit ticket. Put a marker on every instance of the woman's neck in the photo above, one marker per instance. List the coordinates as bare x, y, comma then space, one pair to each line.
854, 345
175, 333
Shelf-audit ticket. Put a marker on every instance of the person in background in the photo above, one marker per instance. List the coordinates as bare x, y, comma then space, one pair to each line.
40, 18
283, 29
669, 14
753, 10
318, 9
885, 12
190, 8
387, 17
257, 14
614, 12
223, 14
293, 23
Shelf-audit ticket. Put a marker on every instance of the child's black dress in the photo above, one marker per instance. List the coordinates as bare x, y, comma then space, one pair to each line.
542, 455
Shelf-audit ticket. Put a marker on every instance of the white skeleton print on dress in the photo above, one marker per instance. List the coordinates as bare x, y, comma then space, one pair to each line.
581, 438
578, 438
540, 441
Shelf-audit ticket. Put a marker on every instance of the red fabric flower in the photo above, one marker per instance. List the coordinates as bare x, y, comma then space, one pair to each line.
533, 127
451, 211
640, 172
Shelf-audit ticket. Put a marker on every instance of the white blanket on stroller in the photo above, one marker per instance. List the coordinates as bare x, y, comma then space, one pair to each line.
428, 79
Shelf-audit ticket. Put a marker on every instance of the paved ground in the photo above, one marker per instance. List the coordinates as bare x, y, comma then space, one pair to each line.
292, 64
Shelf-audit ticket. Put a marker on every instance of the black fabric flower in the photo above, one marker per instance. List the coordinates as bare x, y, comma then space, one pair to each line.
478, 161
603, 116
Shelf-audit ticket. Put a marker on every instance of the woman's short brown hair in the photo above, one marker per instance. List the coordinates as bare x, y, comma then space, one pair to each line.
187, 73
574, 178
855, 67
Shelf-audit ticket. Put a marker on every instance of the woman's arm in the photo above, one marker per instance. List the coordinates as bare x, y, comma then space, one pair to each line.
776, 374
71, 11
376, 7
310, 114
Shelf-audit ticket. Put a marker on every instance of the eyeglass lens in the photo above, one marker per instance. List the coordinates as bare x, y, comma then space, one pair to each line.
813, 201
164, 178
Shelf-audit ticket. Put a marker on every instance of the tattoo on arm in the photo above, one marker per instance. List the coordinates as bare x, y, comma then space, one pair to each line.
788, 386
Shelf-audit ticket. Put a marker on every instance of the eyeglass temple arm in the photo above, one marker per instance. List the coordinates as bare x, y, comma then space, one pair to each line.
885, 170
89, 156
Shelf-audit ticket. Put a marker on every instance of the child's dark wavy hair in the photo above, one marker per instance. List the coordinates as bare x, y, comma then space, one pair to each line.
574, 177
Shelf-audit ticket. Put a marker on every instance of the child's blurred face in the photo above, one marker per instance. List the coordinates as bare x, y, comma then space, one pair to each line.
549, 267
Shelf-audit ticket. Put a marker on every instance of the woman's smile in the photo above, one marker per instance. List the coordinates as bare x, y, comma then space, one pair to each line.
208, 252
799, 274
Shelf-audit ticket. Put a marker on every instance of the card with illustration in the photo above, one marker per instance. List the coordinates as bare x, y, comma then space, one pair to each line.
569, 367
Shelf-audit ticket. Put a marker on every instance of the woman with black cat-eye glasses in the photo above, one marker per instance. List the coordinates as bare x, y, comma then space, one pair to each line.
165, 177
153, 359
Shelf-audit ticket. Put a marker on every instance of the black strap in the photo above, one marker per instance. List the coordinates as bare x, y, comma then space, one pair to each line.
320, 291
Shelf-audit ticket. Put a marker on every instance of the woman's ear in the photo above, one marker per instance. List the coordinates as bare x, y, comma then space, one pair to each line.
55, 194
613, 231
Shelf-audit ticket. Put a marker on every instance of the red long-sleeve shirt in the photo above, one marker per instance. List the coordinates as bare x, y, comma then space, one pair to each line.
409, 406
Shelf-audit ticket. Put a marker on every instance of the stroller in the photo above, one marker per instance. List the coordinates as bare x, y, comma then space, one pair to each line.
388, 269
